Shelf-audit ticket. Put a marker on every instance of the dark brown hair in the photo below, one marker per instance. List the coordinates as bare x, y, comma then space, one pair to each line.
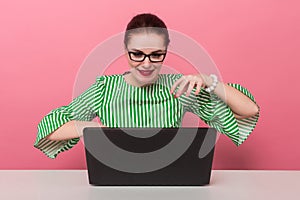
146, 22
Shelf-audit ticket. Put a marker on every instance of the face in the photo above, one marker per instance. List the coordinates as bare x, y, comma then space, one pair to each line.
144, 72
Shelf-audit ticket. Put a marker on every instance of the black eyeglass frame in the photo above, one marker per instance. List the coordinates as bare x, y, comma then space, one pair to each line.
146, 55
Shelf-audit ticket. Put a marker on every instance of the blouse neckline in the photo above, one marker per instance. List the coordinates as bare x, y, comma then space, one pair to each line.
132, 86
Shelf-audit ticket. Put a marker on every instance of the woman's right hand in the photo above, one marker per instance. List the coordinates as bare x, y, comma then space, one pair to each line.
72, 129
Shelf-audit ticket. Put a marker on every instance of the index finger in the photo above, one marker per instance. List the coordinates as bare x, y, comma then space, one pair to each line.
176, 84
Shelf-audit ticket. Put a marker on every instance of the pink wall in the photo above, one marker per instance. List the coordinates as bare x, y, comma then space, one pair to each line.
254, 43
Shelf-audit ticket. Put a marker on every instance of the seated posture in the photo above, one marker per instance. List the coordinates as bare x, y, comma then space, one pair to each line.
142, 97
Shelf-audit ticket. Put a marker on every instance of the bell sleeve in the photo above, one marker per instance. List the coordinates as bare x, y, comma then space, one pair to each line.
217, 114
82, 108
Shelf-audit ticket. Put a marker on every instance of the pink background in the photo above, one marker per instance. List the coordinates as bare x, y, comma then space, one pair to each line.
254, 43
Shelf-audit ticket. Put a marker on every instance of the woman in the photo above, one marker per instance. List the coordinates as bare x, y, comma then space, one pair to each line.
142, 97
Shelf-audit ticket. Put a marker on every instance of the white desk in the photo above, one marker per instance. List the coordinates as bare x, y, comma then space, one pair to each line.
73, 185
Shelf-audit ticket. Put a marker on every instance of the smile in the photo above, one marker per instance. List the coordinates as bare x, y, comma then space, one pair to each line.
146, 72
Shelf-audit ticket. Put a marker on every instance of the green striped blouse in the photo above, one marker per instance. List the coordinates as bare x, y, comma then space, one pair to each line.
119, 104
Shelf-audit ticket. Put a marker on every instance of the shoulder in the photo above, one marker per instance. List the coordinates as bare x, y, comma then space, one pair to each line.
105, 79
170, 77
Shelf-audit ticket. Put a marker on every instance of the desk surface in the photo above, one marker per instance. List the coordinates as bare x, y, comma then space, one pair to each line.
225, 184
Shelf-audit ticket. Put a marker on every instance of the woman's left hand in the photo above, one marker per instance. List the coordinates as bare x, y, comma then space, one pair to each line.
188, 82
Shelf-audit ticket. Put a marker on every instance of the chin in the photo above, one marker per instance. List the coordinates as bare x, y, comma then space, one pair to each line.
146, 80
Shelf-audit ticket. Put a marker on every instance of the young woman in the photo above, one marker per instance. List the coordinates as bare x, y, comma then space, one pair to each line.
142, 97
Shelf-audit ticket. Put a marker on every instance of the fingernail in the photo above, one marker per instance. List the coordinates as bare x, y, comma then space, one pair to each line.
175, 96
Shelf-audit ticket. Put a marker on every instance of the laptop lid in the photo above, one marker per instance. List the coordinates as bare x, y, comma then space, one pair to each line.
149, 156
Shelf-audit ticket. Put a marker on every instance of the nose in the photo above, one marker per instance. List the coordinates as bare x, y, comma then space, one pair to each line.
147, 62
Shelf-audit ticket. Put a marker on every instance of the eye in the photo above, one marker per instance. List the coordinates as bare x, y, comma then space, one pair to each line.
156, 55
137, 54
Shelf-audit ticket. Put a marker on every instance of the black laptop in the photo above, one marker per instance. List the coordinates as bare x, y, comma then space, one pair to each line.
149, 156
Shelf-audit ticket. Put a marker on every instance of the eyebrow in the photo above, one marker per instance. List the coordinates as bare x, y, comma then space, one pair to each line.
151, 52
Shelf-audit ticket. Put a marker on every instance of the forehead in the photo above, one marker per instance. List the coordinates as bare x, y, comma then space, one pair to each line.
146, 41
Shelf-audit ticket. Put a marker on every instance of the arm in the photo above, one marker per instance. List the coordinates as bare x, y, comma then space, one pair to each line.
227, 114
71, 129
62, 127
241, 105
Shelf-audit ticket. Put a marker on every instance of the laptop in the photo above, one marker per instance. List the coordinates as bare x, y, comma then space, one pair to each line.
149, 156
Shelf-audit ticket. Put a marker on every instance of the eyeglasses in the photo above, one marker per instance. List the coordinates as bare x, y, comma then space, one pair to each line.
139, 56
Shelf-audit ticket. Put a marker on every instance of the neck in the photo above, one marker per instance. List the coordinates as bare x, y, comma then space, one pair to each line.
132, 81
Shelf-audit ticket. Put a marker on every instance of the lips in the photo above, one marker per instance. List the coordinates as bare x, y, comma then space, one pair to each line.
146, 72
